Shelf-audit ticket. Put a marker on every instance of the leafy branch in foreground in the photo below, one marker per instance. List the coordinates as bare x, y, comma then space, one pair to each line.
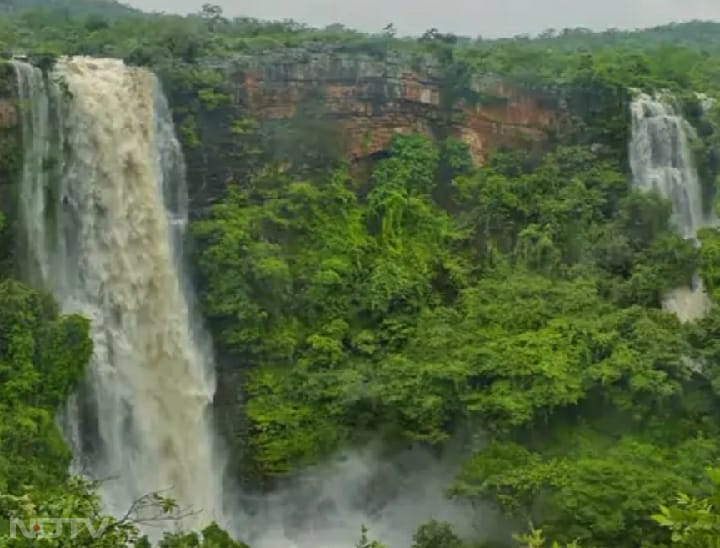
694, 522
536, 539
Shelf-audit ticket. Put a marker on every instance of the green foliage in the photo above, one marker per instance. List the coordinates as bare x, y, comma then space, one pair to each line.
710, 261
387, 313
42, 357
435, 534
211, 537
455, 161
211, 99
694, 522
74, 498
188, 133
90, 8
528, 302
77, 498
536, 539
600, 493
5, 245
364, 542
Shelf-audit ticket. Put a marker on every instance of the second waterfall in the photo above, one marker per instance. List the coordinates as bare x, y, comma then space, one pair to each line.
103, 209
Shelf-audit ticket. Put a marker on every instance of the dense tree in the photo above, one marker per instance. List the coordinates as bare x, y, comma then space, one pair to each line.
435, 534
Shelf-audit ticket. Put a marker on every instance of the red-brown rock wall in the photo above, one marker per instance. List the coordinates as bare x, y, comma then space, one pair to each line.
374, 99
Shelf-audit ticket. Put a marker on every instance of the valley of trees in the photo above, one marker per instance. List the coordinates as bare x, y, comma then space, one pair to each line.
425, 297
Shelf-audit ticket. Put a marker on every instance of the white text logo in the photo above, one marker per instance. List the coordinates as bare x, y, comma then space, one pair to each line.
54, 527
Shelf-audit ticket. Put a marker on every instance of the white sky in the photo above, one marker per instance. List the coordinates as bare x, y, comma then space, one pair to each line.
489, 18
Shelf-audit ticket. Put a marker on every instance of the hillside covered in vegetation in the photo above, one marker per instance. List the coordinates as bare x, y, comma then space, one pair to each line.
435, 286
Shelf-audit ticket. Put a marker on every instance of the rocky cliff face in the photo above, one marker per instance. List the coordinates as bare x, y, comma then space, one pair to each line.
309, 106
373, 99
317, 103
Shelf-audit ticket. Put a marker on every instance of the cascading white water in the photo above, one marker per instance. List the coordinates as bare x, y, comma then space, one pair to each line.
37, 139
661, 161
104, 207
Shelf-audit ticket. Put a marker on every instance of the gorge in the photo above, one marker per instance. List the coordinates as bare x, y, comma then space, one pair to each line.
269, 286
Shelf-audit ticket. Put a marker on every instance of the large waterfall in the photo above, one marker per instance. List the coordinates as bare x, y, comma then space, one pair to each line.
103, 208
661, 161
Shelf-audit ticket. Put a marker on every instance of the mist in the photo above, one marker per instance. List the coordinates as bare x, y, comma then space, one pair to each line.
326, 505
